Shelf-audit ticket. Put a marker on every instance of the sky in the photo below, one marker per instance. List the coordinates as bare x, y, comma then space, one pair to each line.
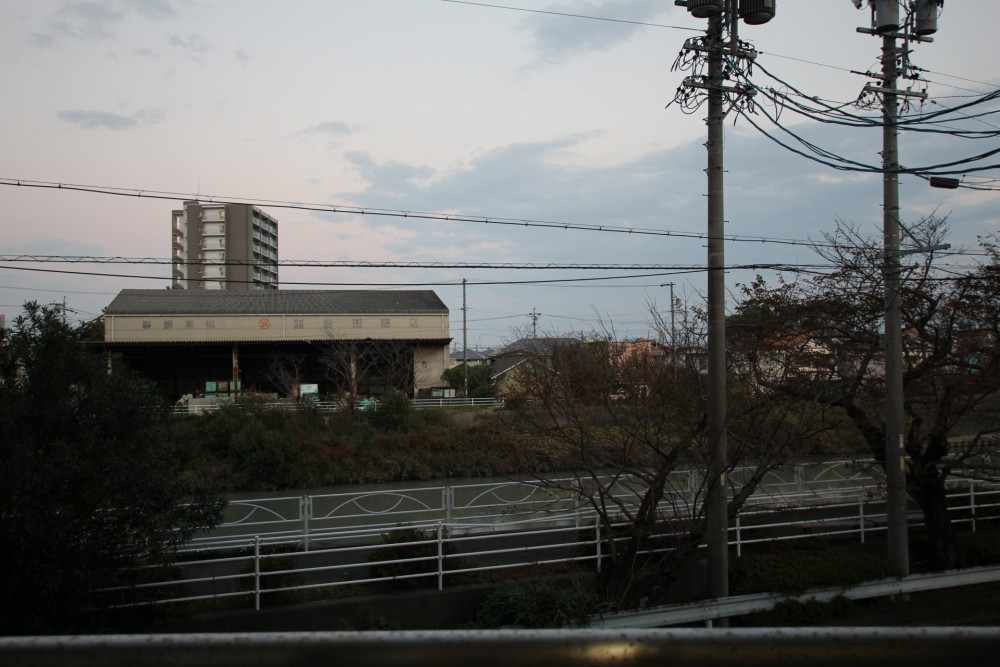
476, 110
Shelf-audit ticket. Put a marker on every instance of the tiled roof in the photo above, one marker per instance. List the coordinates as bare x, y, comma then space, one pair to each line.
471, 355
536, 346
271, 302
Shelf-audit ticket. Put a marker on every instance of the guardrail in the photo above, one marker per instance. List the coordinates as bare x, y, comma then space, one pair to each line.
692, 647
707, 611
250, 569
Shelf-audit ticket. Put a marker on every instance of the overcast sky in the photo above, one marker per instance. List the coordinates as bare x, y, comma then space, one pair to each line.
443, 107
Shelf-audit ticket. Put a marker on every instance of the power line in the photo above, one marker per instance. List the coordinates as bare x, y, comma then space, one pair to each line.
359, 210
677, 27
568, 15
89, 259
679, 270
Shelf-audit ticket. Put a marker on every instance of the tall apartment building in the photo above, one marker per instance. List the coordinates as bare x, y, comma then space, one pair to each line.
224, 246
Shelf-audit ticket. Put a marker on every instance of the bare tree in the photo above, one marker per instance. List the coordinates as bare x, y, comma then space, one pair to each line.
630, 425
357, 367
286, 372
951, 365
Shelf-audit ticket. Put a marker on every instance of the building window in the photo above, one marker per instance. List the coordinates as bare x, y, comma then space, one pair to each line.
168, 324
357, 324
413, 323
386, 323
189, 324
327, 324
209, 324
298, 324
146, 324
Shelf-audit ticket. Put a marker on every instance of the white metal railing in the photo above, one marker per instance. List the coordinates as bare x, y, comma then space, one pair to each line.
334, 406
495, 505
264, 564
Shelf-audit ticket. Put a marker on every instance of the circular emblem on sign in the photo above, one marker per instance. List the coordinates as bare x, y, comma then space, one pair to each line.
265, 323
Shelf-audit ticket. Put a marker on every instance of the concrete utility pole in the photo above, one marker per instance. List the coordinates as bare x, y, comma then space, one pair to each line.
921, 22
465, 339
895, 456
722, 17
673, 331
717, 511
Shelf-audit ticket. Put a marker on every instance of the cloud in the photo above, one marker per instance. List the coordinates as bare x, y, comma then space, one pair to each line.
86, 20
96, 19
330, 128
770, 193
193, 42
558, 37
389, 180
54, 246
153, 9
89, 119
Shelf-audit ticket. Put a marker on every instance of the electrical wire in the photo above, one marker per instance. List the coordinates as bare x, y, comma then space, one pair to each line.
568, 15
672, 272
409, 215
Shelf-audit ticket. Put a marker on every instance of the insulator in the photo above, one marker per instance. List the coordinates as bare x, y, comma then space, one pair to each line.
926, 16
757, 12
703, 9
886, 16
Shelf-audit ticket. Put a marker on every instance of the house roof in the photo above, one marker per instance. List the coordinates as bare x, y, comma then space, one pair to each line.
274, 302
536, 346
471, 355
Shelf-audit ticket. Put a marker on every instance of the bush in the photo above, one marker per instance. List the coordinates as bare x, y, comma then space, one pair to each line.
394, 412
982, 548
792, 613
805, 566
274, 574
408, 543
536, 604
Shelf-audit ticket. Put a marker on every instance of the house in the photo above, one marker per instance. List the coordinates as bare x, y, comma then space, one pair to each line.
504, 364
471, 357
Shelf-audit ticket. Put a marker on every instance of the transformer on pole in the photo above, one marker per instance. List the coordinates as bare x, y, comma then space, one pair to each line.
920, 21
722, 21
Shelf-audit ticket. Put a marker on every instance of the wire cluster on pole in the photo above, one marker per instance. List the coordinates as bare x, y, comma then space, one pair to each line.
752, 90
709, 59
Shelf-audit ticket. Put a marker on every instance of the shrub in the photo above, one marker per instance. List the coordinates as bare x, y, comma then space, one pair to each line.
792, 613
394, 412
405, 544
536, 604
982, 548
805, 566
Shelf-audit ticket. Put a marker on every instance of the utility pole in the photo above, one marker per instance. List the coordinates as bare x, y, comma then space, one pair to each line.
722, 17
673, 331
718, 498
919, 23
895, 458
465, 339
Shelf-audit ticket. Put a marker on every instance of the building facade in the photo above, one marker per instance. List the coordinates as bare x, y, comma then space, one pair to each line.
220, 246
364, 341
